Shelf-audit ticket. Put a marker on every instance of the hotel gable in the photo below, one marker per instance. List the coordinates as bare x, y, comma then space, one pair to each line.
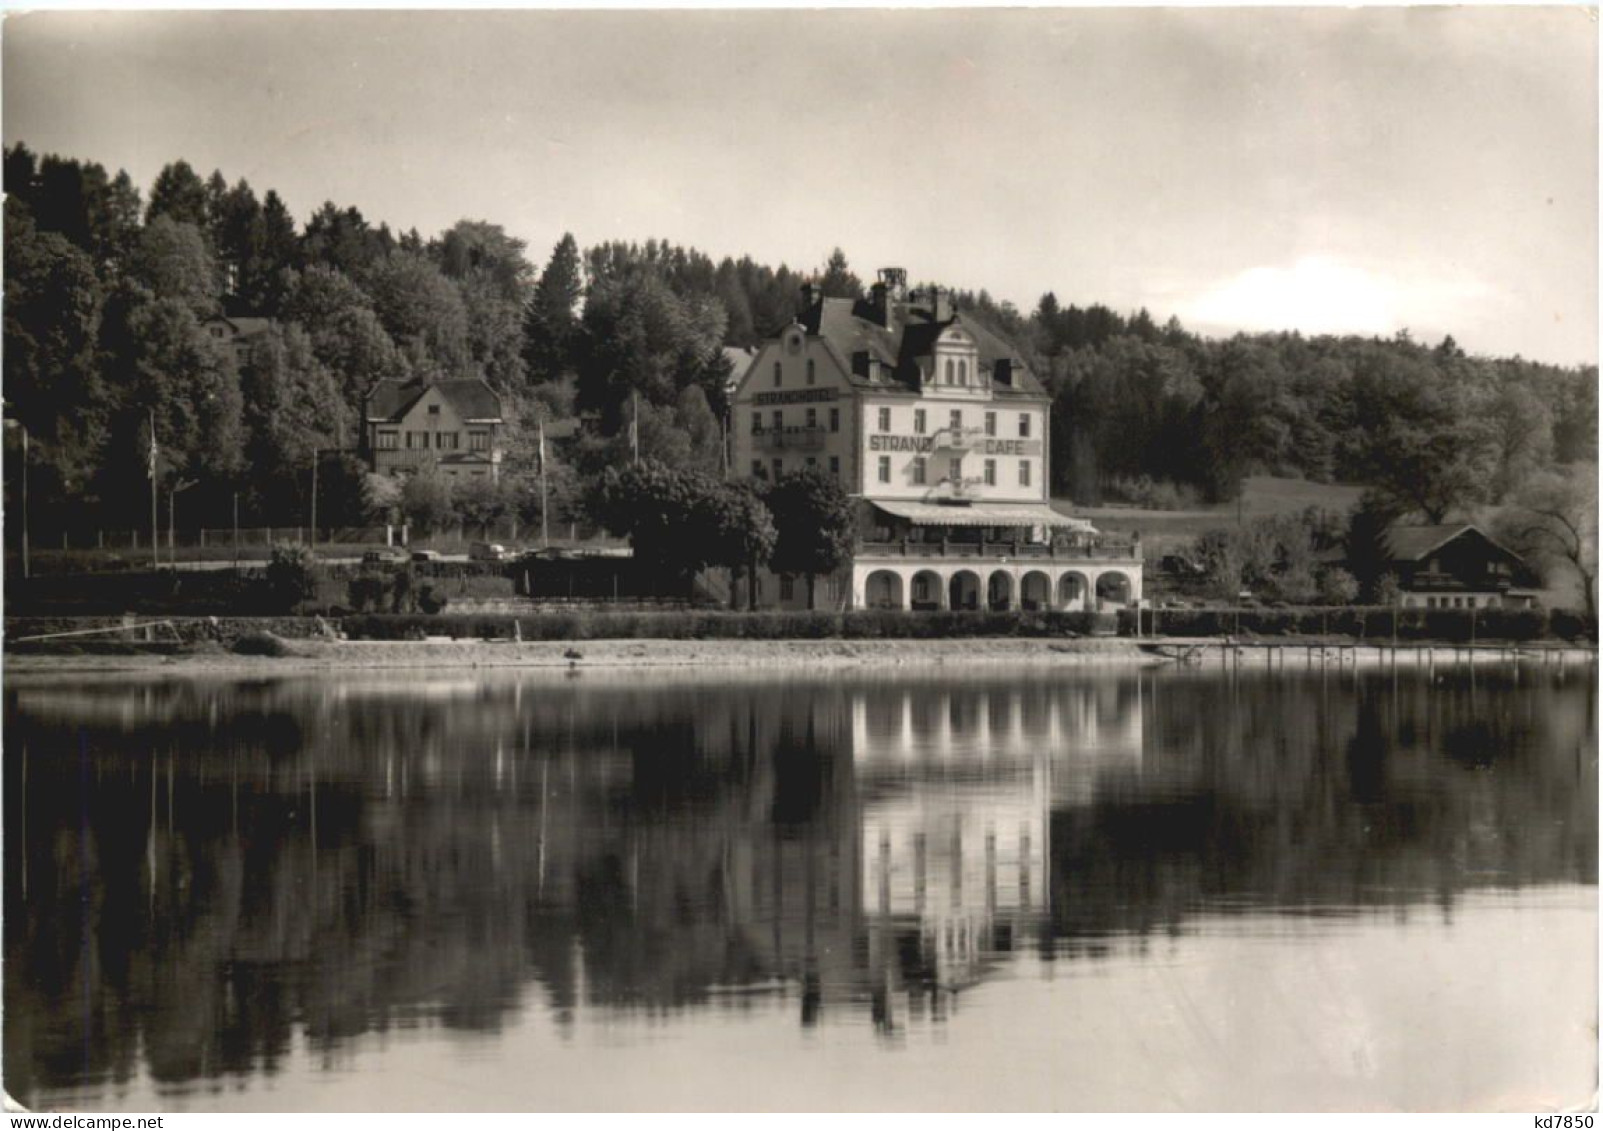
941, 434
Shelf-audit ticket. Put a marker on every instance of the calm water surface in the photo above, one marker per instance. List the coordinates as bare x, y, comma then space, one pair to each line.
1155, 890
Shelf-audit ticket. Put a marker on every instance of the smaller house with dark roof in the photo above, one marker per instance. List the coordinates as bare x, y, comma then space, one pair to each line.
1455, 566
457, 424
238, 332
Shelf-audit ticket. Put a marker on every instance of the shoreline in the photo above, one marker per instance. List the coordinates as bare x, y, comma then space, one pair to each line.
309, 656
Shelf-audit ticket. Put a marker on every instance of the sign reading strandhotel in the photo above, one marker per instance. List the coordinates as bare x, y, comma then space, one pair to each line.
991, 445
795, 396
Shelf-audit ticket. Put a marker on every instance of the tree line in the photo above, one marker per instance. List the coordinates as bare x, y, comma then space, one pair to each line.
619, 348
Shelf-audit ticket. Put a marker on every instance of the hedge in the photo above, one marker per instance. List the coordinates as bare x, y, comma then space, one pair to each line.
710, 625
190, 629
1455, 626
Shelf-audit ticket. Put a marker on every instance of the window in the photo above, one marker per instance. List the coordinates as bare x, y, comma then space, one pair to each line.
1024, 473
779, 468
990, 424
1024, 425
834, 464
434, 410
386, 441
812, 371
758, 471
990, 473
957, 419
417, 439
779, 420
1470, 601
812, 418
446, 441
756, 423
834, 420
219, 333
779, 374
884, 420
919, 472
955, 470
884, 469
787, 587
918, 421
962, 373
812, 462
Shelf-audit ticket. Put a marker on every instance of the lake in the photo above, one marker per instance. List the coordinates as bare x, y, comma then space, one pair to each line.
924, 889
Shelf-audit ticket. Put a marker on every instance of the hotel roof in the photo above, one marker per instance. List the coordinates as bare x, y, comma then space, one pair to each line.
852, 327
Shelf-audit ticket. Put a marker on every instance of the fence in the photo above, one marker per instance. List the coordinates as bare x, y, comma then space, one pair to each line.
223, 539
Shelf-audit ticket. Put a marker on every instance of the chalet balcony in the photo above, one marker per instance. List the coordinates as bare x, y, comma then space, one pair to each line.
1428, 581
388, 458
792, 438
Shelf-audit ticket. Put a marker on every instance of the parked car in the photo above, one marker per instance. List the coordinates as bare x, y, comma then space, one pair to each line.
488, 552
425, 555
382, 557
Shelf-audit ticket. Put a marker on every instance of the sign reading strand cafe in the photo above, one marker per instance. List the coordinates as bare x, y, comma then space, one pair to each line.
989, 445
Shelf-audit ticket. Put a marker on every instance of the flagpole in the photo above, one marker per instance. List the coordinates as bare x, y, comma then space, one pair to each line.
545, 516
155, 529
634, 429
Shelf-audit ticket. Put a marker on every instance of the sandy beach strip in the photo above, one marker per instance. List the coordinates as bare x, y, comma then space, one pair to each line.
445, 655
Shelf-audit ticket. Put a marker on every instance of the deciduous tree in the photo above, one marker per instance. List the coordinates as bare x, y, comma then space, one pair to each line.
815, 522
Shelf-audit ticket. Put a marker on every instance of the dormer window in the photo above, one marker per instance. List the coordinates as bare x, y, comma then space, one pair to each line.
812, 371
949, 371
779, 374
962, 372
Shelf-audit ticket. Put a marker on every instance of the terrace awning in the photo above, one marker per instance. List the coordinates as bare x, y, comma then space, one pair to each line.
984, 514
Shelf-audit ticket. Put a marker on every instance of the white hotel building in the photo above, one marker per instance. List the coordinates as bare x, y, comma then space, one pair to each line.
942, 433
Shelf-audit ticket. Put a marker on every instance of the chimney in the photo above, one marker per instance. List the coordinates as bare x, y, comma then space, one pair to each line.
811, 295
894, 280
940, 304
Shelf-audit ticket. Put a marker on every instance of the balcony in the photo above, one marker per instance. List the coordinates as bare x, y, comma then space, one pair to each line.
791, 438
1105, 550
1435, 581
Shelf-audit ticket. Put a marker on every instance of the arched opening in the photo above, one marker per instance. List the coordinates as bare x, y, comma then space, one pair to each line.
1113, 588
928, 591
1035, 591
999, 591
883, 590
1072, 588
964, 590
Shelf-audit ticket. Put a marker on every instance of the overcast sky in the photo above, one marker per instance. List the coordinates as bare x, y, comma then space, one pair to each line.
1324, 170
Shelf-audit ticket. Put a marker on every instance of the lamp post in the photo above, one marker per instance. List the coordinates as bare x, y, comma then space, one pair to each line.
315, 452
172, 518
23, 428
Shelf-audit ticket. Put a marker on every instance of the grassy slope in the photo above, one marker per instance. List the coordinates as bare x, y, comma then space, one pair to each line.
1163, 531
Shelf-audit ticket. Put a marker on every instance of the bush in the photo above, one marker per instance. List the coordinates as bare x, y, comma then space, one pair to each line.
431, 600
261, 644
365, 590
401, 597
291, 575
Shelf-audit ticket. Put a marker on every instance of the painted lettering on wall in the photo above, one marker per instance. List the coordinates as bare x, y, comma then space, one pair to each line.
990, 445
795, 396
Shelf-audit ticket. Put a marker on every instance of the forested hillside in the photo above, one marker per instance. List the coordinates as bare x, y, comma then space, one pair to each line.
108, 289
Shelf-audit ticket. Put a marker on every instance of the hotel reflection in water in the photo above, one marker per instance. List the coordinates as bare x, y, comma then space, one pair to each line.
866, 850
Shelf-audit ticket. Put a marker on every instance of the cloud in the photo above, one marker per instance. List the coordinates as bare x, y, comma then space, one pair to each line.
1323, 295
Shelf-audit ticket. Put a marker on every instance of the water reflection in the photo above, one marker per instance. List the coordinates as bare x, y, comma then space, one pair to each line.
201, 874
